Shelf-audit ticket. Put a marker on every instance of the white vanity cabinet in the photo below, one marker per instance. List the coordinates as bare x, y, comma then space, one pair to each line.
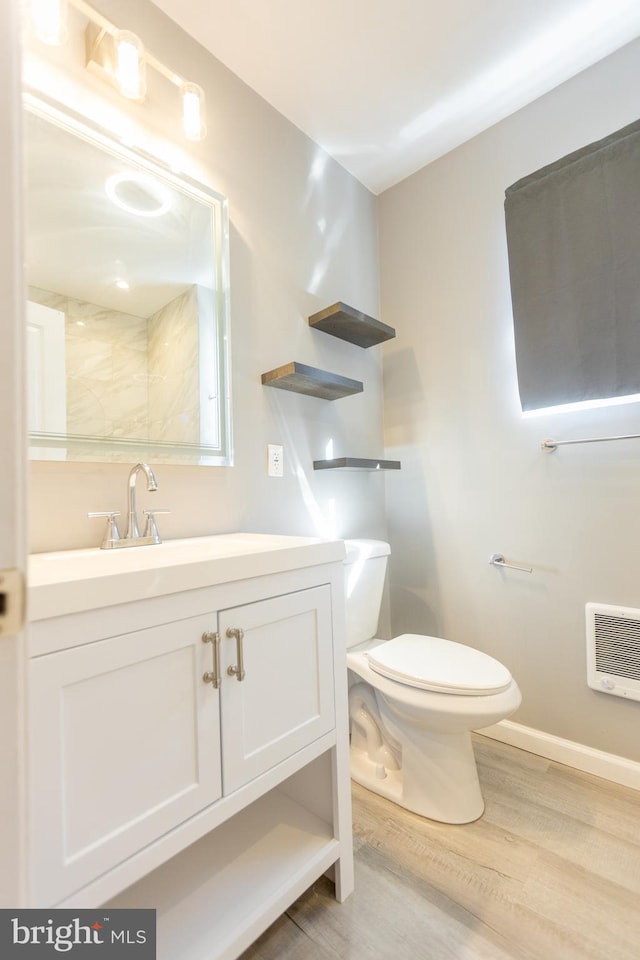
124, 745
191, 747
285, 699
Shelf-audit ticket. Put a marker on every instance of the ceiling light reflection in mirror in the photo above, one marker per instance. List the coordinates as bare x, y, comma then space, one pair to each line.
138, 194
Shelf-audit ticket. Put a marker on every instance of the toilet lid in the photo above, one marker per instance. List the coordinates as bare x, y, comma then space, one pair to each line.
440, 665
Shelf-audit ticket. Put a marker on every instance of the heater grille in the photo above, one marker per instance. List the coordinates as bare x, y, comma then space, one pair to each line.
613, 650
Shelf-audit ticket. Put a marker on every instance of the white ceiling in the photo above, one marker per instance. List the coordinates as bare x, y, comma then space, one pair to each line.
386, 86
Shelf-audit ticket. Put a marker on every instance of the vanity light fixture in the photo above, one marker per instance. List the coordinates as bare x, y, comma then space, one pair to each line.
120, 55
193, 111
49, 18
130, 66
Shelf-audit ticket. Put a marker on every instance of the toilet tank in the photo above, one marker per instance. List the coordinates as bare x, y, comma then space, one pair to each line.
365, 565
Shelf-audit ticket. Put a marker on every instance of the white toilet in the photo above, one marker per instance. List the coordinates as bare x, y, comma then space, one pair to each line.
413, 702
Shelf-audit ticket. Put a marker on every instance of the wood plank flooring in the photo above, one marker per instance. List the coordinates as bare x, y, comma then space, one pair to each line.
551, 871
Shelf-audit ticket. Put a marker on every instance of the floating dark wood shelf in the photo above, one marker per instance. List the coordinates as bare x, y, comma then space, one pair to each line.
356, 463
314, 383
347, 323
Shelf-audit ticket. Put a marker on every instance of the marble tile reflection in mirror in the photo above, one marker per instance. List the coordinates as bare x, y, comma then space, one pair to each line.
127, 314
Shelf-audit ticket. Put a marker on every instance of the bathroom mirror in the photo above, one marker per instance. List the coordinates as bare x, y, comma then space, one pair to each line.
127, 313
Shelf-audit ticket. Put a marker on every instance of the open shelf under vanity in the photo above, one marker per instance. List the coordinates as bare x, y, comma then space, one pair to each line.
217, 896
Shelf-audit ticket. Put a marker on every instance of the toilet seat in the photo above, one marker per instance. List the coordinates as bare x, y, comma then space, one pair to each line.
442, 666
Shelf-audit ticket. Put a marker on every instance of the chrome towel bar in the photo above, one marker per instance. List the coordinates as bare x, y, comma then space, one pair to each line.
498, 560
550, 445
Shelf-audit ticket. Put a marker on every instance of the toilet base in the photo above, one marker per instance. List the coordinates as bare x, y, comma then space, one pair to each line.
437, 780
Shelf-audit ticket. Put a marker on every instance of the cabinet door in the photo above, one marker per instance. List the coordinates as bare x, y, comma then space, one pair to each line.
124, 736
286, 698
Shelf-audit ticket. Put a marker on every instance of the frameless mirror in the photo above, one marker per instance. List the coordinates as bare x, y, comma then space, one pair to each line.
127, 313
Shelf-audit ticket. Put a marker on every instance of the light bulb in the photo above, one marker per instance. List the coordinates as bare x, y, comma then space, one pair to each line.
130, 65
193, 123
49, 19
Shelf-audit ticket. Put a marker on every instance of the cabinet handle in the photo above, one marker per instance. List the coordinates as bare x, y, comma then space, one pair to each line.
237, 671
213, 678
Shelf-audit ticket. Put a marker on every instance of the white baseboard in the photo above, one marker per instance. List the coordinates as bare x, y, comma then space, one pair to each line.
601, 764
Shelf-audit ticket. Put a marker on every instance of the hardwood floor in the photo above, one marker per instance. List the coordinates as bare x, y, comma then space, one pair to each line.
551, 871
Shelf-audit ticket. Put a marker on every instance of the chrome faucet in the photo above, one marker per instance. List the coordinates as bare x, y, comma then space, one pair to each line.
133, 537
152, 484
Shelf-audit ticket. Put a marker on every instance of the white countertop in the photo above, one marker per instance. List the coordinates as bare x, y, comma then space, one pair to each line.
71, 581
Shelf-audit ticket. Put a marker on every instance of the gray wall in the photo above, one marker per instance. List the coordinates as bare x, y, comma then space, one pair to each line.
474, 479
303, 235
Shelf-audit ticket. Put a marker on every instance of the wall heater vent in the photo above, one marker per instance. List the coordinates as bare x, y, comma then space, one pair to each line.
613, 650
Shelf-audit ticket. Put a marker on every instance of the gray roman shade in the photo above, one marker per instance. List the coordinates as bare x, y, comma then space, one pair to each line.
573, 236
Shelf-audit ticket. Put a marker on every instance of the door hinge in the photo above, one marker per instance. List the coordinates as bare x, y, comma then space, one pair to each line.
11, 602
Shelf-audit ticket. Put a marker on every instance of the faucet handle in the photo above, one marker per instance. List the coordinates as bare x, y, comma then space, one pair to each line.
112, 534
151, 529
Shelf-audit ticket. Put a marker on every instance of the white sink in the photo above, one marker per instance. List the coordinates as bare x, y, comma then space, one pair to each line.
70, 581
